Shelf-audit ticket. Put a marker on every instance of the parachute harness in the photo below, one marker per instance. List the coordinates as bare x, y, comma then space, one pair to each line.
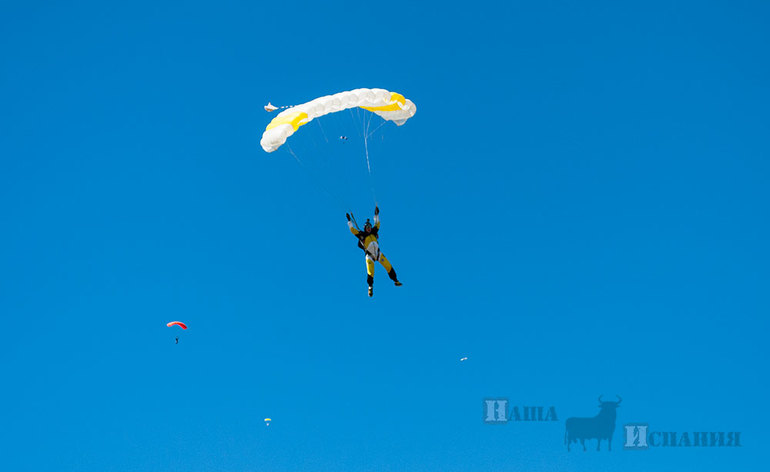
375, 257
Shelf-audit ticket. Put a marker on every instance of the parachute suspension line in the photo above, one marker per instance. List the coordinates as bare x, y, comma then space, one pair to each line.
357, 119
322, 130
366, 148
318, 184
375, 129
353, 217
368, 163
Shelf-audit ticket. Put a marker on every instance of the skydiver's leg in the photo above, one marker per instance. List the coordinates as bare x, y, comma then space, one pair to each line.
391, 271
370, 273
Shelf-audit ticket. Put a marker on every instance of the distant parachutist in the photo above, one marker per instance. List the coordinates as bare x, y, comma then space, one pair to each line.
344, 138
177, 323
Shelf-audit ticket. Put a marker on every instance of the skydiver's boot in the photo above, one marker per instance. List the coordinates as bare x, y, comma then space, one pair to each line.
392, 275
371, 291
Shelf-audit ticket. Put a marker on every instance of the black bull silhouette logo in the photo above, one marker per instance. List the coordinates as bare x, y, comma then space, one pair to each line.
601, 426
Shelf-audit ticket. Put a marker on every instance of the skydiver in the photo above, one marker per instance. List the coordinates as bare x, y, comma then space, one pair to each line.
367, 240
177, 340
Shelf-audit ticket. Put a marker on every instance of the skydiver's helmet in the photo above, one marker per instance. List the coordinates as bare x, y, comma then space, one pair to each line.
368, 226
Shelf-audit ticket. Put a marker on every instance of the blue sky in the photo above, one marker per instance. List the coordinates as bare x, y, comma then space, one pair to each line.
579, 206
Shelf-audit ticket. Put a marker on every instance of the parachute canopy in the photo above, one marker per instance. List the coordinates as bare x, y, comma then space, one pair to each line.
389, 106
177, 323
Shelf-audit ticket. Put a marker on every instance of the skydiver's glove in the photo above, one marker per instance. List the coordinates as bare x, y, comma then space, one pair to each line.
376, 210
348, 216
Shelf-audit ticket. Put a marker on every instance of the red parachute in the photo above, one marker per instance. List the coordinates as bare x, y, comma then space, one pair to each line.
178, 323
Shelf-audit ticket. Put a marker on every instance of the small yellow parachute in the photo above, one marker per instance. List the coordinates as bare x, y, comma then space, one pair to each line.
389, 106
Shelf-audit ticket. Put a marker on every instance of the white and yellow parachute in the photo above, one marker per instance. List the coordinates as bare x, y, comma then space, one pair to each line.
389, 106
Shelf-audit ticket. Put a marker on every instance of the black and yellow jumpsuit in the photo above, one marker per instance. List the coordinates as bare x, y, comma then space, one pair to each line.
368, 242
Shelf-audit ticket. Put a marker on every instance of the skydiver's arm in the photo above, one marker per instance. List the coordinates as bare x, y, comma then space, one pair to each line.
350, 225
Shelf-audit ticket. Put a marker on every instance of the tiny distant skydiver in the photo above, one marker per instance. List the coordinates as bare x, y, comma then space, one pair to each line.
367, 240
177, 340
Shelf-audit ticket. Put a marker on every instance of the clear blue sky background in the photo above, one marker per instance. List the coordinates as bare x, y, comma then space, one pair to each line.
579, 206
